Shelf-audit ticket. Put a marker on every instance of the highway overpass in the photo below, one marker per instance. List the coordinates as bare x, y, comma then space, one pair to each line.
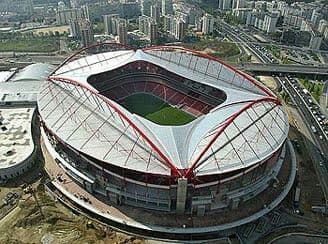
271, 69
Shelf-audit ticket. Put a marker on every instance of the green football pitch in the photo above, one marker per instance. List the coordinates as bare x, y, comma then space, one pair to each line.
155, 110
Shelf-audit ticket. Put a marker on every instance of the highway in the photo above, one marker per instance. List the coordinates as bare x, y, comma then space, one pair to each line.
316, 151
271, 68
305, 108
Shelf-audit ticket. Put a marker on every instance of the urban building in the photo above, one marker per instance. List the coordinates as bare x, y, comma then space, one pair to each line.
86, 28
110, 23
74, 28
153, 32
225, 5
155, 13
85, 12
63, 17
145, 7
270, 22
144, 24
123, 32
167, 7
19, 123
168, 22
316, 41
207, 24
180, 29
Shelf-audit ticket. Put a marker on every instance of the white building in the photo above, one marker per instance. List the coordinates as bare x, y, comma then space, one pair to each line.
180, 29
270, 22
207, 24
74, 28
155, 13
144, 24
168, 22
145, 7
110, 24
315, 42
167, 7
64, 16
226, 4
322, 26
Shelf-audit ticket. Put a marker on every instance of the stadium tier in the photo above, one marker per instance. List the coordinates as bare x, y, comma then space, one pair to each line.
112, 120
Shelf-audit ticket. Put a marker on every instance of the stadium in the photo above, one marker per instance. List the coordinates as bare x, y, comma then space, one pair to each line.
162, 128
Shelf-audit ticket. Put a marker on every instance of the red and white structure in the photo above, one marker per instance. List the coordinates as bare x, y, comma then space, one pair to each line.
226, 156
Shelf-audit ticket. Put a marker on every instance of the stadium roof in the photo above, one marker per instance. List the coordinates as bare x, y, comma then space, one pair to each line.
242, 131
38, 71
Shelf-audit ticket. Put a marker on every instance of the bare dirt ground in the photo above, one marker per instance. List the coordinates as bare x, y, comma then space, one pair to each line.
311, 193
37, 218
269, 82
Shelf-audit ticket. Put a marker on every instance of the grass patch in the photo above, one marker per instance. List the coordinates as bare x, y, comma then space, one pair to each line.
316, 89
30, 44
156, 110
219, 49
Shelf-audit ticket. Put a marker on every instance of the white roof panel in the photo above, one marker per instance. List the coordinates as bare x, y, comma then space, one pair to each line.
97, 129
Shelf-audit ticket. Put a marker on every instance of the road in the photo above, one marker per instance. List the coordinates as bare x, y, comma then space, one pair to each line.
319, 151
316, 150
270, 68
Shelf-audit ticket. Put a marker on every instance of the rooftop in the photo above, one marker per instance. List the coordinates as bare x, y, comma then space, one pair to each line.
16, 143
245, 129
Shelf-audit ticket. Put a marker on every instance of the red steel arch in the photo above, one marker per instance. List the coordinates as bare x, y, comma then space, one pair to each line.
207, 56
176, 172
174, 169
275, 100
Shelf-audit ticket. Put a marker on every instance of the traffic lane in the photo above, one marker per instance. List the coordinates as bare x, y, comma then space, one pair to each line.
308, 113
311, 146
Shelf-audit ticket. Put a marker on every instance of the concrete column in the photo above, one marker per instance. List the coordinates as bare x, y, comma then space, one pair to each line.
181, 195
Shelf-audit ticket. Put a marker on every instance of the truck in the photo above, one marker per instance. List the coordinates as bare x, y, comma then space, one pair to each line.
297, 195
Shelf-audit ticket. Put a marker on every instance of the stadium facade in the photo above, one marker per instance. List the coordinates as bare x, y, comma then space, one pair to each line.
230, 153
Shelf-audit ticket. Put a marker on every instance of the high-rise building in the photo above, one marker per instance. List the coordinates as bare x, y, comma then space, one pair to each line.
85, 12
323, 24
64, 16
74, 27
87, 37
122, 32
153, 32
182, 15
270, 22
237, 4
145, 7
75, 3
207, 24
110, 23
155, 12
144, 24
226, 4
167, 7
168, 23
180, 29
61, 6
315, 42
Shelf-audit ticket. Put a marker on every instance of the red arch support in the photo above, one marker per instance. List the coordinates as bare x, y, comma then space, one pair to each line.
174, 169
275, 100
